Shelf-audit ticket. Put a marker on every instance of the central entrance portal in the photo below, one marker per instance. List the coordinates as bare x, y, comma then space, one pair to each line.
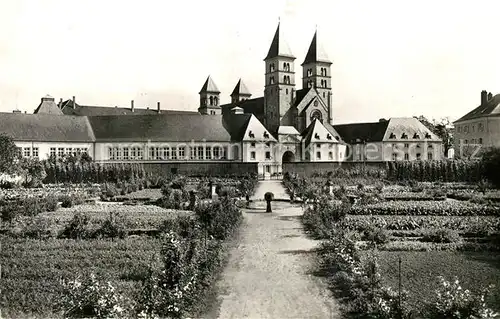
288, 157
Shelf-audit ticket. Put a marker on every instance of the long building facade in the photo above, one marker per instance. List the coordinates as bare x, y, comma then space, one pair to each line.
286, 124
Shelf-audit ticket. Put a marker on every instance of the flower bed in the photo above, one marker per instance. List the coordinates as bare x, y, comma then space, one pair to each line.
460, 223
411, 196
135, 217
52, 190
425, 208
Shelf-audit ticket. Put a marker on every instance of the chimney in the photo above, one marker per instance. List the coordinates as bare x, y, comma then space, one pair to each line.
490, 96
158, 106
74, 102
483, 97
60, 102
132, 105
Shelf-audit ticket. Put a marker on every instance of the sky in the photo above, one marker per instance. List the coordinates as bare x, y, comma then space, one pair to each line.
391, 58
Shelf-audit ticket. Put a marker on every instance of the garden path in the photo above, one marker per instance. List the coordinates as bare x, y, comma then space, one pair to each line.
274, 186
269, 274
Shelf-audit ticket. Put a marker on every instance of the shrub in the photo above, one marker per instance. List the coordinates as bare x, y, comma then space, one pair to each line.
320, 219
219, 218
454, 302
442, 235
110, 190
88, 297
377, 235
78, 228
113, 227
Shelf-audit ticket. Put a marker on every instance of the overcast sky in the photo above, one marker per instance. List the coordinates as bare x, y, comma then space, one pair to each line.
390, 58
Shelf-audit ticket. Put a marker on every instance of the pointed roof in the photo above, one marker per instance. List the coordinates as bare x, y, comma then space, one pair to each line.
209, 86
490, 108
279, 47
241, 89
319, 133
48, 106
316, 53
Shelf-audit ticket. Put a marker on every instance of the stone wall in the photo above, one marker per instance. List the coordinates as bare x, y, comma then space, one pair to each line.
309, 168
202, 169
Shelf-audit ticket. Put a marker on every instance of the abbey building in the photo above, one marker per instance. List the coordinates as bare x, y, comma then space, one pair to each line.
290, 122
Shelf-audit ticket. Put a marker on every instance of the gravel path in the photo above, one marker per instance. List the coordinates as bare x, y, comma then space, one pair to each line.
268, 275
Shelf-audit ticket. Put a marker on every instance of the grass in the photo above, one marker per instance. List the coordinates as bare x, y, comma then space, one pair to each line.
475, 270
32, 269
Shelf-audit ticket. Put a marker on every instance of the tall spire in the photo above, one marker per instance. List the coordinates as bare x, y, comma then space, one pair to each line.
279, 47
209, 86
241, 89
316, 53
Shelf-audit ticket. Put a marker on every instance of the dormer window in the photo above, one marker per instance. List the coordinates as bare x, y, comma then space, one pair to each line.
316, 136
427, 135
266, 135
328, 137
404, 136
392, 135
416, 136
251, 134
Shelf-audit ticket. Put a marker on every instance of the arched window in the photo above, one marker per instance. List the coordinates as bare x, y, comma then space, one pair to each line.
271, 80
211, 100
309, 84
286, 67
286, 78
271, 67
309, 72
316, 115
216, 101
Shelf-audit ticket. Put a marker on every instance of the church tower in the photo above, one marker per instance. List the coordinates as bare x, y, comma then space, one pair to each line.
279, 82
209, 98
240, 93
316, 73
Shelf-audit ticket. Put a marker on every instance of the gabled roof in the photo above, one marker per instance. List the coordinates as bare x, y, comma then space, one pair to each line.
409, 126
316, 52
46, 127
317, 132
159, 128
48, 106
489, 108
394, 129
287, 130
87, 110
209, 86
246, 127
358, 132
241, 89
279, 47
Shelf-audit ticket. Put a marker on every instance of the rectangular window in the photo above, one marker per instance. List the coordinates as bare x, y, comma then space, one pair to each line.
407, 145
429, 156
119, 153
174, 153
60, 152
126, 153
200, 152
181, 152
268, 169
330, 155
192, 151
151, 153
69, 150
26, 152
394, 156
407, 157
111, 153
133, 153
217, 152
318, 145
252, 155
268, 155
35, 152
224, 152
419, 157
208, 153
318, 155
140, 153
252, 144
158, 154
52, 152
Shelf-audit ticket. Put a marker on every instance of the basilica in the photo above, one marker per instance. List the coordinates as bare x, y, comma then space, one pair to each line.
286, 124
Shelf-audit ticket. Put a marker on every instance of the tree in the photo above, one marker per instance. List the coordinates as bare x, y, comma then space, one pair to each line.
442, 128
9, 154
491, 164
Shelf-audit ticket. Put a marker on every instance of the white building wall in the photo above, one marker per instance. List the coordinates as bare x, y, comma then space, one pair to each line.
44, 148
